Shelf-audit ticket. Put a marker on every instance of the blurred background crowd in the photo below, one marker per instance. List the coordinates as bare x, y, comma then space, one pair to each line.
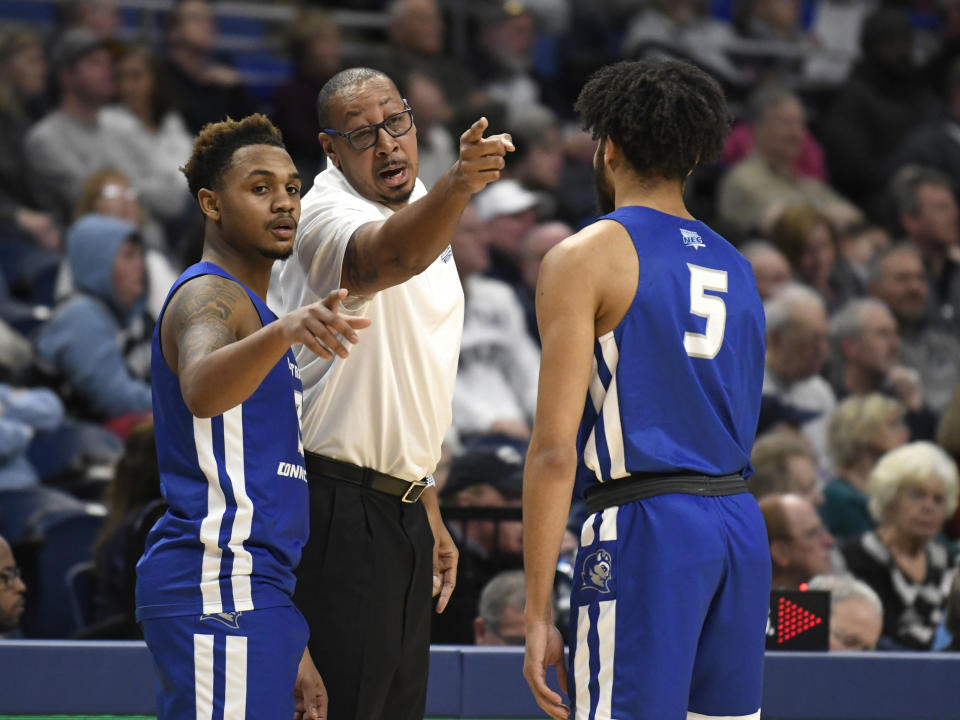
839, 182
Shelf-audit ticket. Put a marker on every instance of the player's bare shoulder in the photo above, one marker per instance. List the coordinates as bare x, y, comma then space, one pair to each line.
205, 314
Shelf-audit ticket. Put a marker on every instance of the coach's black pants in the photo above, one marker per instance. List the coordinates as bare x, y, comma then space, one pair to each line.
364, 584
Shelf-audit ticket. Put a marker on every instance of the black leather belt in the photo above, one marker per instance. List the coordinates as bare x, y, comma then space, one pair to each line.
637, 487
409, 491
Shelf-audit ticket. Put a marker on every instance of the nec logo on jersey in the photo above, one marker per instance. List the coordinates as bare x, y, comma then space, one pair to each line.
692, 239
597, 571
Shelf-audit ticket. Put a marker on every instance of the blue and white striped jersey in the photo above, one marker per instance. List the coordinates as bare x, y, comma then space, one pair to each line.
676, 385
237, 491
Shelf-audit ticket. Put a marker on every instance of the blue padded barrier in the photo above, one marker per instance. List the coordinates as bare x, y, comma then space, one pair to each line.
116, 677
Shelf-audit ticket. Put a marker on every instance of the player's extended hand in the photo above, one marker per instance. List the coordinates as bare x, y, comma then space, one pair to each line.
309, 691
481, 159
544, 647
320, 327
445, 559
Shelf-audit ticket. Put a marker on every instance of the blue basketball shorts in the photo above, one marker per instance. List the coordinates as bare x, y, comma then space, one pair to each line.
227, 666
669, 610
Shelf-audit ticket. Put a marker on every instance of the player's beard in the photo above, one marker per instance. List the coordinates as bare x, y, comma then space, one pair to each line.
604, 193
276, 254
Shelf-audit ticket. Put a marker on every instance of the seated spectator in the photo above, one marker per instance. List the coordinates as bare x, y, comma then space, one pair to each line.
927, 210
861, 430
23, 413
771, 33
508, 212
496, 388
897, 277
539, 158
684, 29
152, 132
799, 543
770, 268
109, 192
208, 89
499, 618
482, 477
783, 463
865, 339
755, 190
809, 163
13, 592
315, 48
857, 246
29, 238
100, 16
856, 613
808, 240
436, 146
948, 437
883, 99
536, 244
136, 482
797, 351
99, 338
912, 490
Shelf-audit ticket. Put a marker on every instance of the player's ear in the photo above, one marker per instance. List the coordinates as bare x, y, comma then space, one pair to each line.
209, 203
326, 142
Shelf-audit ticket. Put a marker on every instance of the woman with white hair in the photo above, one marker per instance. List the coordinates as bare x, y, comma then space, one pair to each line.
911, 491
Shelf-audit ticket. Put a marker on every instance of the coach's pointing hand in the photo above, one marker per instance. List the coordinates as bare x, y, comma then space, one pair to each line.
481, 159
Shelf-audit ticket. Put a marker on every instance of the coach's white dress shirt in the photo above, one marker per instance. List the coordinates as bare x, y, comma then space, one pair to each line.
388, 405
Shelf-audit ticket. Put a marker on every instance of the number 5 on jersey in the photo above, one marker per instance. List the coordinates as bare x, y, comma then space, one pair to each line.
707, 344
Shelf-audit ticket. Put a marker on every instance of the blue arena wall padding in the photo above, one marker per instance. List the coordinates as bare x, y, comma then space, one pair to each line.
116, 677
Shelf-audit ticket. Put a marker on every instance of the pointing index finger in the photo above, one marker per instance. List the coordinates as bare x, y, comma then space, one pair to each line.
475, 132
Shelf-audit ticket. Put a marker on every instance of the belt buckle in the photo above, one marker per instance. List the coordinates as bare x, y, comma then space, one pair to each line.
416, 487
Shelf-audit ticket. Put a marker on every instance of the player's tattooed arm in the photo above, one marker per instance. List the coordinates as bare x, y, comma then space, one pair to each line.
203, 317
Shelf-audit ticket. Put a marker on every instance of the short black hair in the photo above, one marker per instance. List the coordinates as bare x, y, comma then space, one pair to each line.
666, 115
349, 78
216, 143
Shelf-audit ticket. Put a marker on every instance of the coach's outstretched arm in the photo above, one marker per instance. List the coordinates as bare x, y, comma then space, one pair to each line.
566, 315
213, 341
387, 253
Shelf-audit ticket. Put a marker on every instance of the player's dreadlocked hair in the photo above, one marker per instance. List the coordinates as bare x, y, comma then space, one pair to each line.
214, 147
666, 115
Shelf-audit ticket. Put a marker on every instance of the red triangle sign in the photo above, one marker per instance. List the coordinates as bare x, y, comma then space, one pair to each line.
792, 620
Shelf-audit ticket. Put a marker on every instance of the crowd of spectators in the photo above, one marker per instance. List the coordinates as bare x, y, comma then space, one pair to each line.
839, 183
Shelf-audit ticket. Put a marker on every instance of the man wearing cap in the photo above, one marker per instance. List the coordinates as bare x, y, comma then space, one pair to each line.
509, 212
481, 477
372, 428
70, 143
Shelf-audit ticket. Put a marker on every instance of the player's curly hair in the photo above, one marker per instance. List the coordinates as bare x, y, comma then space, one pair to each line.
216, 143
666, 115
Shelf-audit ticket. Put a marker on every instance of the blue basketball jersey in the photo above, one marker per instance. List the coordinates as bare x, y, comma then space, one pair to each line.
676, 385
237, 491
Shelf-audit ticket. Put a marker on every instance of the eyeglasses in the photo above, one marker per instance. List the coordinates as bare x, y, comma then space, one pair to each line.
366, 136
10, 576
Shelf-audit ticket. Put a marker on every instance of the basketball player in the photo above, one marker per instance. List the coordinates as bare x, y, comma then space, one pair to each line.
215, 584
653, 328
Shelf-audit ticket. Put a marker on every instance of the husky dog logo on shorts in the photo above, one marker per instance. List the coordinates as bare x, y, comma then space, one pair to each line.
597, 571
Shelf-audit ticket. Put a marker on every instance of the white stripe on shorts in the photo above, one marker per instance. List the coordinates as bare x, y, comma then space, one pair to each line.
235, 691
210, 527
607, 633
203, 675
608, 526
698, 716
581, 664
